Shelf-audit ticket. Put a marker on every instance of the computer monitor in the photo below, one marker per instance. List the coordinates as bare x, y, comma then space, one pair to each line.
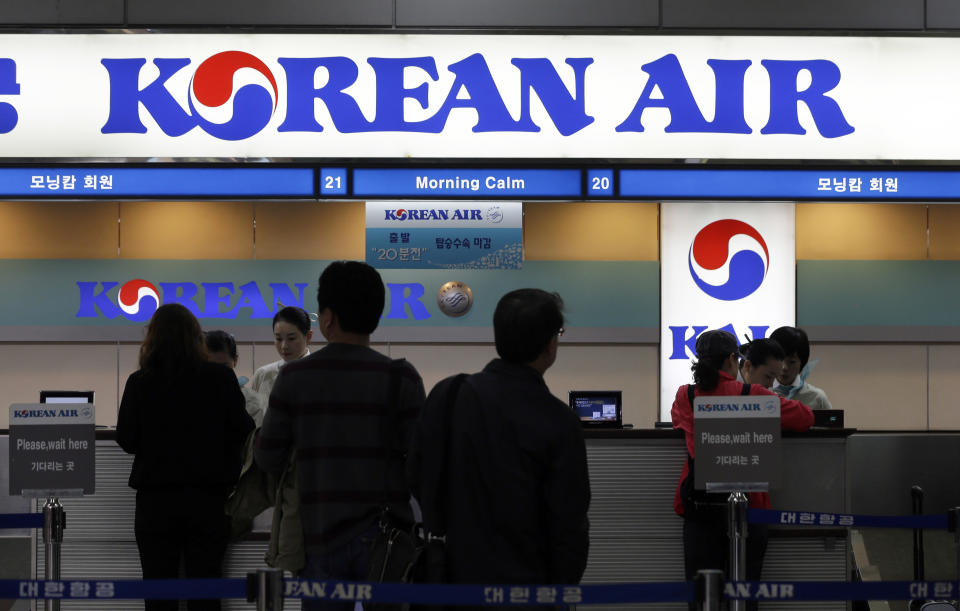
66, 396
598, 408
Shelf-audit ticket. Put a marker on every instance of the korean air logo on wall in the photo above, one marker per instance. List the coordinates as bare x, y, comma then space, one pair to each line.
728, 260
138, 300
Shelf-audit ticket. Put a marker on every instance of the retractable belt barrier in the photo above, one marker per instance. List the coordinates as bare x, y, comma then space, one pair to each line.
814, 518
20, 520
485, 595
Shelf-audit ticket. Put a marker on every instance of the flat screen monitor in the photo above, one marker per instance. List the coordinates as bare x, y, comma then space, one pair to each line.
598, 408
66, 396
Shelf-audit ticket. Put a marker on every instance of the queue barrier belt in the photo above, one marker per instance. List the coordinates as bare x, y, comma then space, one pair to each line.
487, 595
21, 520
815, 518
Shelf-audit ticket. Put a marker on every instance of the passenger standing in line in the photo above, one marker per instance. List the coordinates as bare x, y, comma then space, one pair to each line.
761, 362
348, 412
792, 380
291, 337
222, 348
183, 418
499, 463
705, 542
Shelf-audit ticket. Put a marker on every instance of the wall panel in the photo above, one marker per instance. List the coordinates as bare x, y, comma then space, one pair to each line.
254, 13
530, 13
827, 14
861, 231
186, 230
879, 386
944, 368
945, 231
590, 231
311, 230
58, 230
26, 369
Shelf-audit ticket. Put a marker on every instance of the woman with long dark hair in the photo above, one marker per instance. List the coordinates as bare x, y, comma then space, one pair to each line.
183, 418
705, 543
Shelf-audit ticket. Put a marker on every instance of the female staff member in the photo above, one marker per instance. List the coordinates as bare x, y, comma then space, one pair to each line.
762, 362
705, 544
291, 335
222, 348
183, 419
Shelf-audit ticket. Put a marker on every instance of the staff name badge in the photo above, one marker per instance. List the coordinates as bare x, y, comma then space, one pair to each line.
737, 443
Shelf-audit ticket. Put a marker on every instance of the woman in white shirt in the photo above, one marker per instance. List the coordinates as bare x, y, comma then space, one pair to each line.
291, 335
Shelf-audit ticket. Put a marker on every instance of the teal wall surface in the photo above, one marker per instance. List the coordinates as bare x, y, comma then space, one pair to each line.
49, 293
878, 293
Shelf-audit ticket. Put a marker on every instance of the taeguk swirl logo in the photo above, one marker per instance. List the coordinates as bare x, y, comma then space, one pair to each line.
212, 88
138, 300
728, 259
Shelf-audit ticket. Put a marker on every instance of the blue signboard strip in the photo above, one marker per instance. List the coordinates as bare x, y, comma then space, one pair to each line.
156, 182
789, 184
369, 182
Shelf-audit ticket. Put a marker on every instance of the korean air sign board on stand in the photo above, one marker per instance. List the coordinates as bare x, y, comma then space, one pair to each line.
725, 266
405, 96
445, 235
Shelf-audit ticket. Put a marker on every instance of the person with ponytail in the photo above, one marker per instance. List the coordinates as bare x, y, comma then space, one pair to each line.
705, 543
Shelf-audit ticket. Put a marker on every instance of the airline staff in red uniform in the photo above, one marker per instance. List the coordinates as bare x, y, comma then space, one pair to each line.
705, 543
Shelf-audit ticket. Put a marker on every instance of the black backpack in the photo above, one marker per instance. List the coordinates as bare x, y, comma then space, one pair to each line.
700, 503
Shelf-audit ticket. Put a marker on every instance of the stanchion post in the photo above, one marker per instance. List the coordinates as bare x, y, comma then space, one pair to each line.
54, 521
269, 589
708, 589
953, 525
737, 532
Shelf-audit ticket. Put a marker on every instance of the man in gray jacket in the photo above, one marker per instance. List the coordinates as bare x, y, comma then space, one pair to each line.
334, 407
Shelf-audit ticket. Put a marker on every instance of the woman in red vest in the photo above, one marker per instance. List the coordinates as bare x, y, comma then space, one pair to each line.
705, 542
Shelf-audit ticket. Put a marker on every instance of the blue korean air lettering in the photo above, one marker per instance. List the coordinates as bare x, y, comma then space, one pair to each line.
254, 105
473, 88
666, 75
136, 300
8, 86
432, 214
683, 338
46, 413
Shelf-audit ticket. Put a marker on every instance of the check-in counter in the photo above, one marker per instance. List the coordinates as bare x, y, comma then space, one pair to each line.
634, 533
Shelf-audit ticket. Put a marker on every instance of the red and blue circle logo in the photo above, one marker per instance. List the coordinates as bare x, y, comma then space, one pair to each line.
401, 214
728, 260
138, 300
212, 88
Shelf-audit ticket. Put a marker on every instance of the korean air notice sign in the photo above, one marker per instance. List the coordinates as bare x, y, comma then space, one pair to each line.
445, 235
52, 449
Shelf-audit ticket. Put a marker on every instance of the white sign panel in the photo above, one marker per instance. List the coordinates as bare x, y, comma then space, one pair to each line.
250, 96
445, 235
737, 443
725, 266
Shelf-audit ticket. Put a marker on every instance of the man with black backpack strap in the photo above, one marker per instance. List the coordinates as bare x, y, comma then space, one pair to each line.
705, 543
499, 463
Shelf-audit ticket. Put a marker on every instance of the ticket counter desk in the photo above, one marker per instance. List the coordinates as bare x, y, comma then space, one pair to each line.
634, 534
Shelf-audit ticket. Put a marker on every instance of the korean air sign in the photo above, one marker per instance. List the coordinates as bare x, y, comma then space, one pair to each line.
418, 96
727, 265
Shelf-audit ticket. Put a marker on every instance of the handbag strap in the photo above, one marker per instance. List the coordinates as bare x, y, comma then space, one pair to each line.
450, 403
